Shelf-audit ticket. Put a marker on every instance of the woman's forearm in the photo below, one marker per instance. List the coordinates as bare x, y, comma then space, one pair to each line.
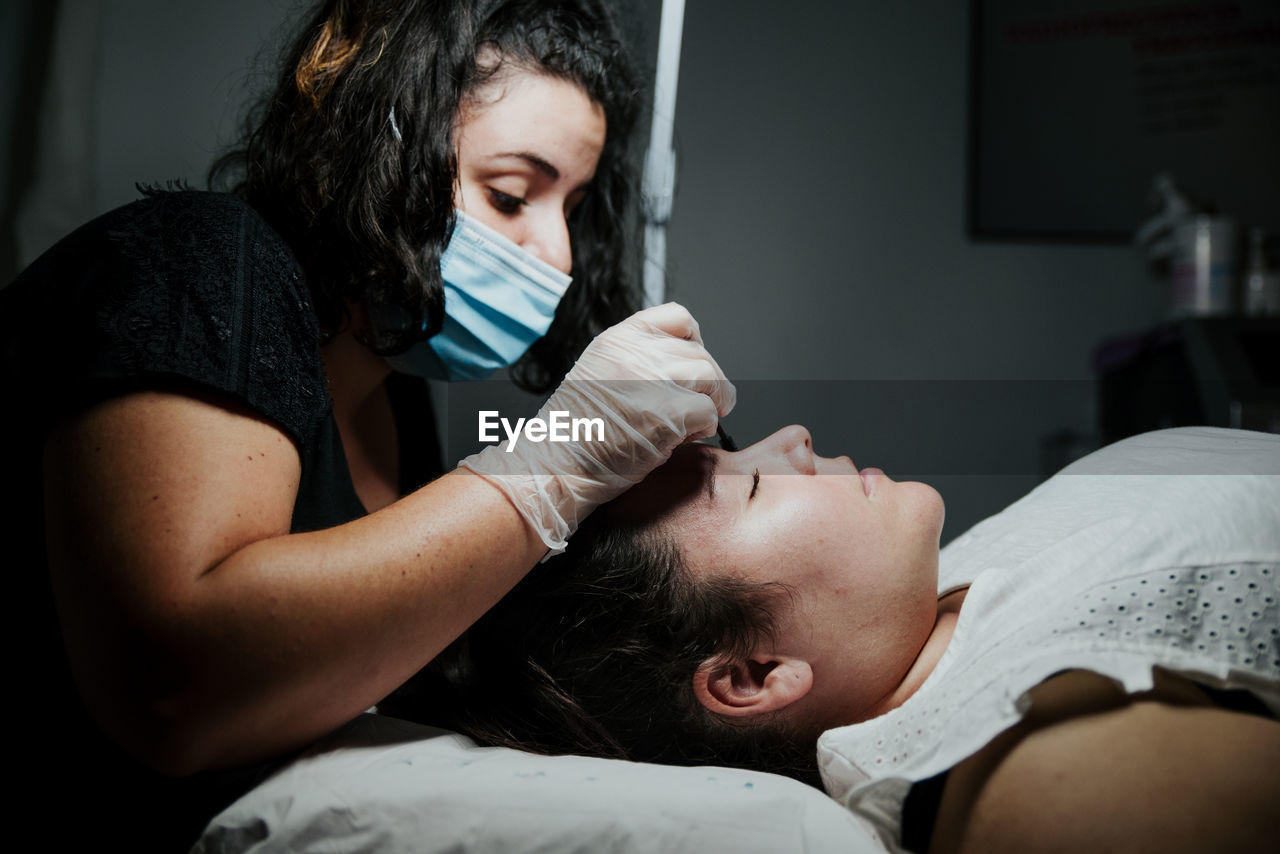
200, 632
302, 632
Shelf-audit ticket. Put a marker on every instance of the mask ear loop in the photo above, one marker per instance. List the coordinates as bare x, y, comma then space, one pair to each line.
725, 442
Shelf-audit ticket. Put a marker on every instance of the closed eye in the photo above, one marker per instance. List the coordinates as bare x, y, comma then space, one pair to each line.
755, 484
505, 202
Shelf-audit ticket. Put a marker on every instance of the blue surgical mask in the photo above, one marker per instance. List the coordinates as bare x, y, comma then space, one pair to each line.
498, 300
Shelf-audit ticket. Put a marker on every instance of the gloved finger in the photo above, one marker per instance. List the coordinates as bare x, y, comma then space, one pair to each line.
700, 418
724, 395
670, 318
705, 377
631, 354
699, 371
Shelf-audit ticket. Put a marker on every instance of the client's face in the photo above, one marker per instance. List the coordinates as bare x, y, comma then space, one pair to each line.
859, 549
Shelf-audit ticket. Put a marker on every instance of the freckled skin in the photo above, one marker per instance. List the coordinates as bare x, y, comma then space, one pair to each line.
167, 604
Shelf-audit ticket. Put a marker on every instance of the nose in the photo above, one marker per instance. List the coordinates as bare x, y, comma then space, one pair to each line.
547, 239
795, 446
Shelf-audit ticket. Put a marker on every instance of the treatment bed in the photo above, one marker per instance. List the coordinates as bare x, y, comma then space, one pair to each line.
386, 786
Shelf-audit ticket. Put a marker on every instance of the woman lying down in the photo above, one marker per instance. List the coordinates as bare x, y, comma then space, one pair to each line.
1095, 668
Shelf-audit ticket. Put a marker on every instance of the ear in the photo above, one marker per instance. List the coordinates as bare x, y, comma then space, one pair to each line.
763, 683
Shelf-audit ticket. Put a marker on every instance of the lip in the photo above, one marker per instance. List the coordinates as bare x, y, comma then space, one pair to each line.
870, 476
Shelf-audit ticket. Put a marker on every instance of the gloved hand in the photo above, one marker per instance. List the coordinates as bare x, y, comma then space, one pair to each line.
654, 386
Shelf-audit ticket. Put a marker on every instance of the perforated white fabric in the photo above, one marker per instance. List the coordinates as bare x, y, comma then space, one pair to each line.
1162, 550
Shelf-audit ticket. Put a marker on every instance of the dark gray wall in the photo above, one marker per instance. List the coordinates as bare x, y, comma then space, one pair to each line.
819, 235
166, 84
818, 232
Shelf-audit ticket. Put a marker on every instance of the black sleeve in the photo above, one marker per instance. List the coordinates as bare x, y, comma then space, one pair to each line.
176, 288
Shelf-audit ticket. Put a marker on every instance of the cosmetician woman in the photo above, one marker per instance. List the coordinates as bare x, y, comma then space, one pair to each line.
228, 538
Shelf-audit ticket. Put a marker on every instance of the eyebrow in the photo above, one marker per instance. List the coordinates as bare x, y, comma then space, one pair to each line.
711, 477
539, 163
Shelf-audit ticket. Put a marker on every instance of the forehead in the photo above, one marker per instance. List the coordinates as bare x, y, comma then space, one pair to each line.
672, 491
675, 499
516, 94
525, 114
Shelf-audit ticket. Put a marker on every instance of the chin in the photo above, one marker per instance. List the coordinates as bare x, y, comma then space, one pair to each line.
928, 509
928, 512
941, 510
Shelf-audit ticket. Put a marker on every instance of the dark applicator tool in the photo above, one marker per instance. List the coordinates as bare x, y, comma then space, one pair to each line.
725, 442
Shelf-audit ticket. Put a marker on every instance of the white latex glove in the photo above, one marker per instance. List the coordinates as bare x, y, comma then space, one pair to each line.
653, 384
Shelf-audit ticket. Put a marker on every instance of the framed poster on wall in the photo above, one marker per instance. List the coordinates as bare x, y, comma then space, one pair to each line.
1076, 105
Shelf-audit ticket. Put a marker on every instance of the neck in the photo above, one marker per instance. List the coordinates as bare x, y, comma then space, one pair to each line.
365, 421
355, 374
944, 626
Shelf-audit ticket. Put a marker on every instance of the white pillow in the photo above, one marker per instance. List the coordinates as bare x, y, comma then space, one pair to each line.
383, 785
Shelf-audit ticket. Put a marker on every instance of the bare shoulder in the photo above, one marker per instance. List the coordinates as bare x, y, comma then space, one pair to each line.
1092, 769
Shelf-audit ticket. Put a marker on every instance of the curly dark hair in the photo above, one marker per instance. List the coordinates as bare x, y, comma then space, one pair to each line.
369, 215
594, 653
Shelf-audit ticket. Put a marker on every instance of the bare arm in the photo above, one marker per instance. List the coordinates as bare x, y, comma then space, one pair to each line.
1151, 773
200, 631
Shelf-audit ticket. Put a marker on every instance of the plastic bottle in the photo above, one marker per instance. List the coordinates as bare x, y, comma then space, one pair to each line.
1261, 295
1204, 266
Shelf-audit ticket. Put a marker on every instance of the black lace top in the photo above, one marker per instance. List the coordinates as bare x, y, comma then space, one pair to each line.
179, 290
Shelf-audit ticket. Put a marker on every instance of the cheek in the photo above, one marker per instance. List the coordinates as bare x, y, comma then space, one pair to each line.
869, 558
805, 541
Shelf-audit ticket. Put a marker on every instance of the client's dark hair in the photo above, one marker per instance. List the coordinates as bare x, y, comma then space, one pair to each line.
595, 652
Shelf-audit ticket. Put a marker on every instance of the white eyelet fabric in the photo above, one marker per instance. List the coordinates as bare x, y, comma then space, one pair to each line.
1159, 551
